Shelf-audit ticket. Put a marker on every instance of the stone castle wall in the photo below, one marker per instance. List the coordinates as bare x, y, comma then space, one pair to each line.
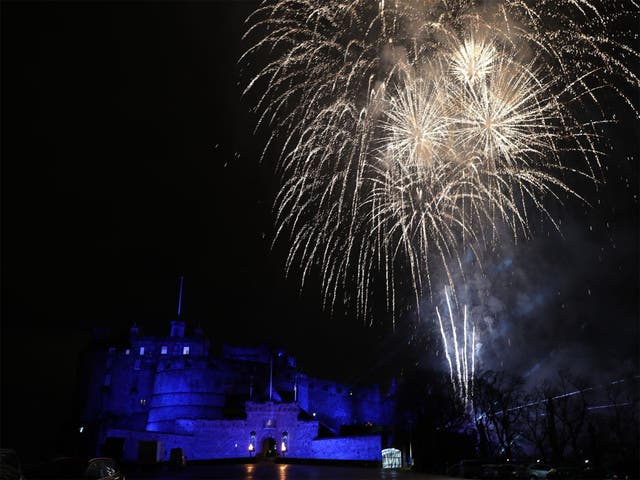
230, 439
168, 390
348, 448
185, 392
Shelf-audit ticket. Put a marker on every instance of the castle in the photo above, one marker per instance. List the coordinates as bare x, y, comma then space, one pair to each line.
165, 392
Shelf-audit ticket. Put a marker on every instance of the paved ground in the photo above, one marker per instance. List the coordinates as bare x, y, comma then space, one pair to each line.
273, 471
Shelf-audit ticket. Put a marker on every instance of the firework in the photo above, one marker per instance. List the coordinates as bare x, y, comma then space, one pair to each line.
409, 131
460, 353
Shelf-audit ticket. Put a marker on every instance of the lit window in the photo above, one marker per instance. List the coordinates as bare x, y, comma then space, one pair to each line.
185, 350
163, 350
127, 351
141, 350
143, 402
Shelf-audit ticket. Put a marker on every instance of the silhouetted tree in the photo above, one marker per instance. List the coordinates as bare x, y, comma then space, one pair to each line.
554, 444
571, 412
623, 402
534, 421
499, 400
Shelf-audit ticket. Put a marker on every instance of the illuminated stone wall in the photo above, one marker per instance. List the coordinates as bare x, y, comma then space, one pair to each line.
186, 389
230, 439
170, 390
332, 403
349, 448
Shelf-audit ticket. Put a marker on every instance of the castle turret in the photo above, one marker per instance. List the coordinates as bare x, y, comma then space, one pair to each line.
134, 332
177, 328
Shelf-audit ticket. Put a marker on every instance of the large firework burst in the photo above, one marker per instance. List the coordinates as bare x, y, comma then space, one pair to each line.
409, 130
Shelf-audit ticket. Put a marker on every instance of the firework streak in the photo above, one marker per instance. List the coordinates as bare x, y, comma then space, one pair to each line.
410, 131
462, 367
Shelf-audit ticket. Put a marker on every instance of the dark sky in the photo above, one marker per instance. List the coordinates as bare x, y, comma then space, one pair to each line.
129, 159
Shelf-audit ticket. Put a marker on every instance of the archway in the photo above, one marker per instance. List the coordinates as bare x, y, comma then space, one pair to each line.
269, 447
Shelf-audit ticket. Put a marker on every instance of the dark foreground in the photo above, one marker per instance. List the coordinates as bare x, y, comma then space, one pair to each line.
274, 471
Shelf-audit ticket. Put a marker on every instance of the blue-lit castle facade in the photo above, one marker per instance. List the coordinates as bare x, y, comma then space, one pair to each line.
165, 392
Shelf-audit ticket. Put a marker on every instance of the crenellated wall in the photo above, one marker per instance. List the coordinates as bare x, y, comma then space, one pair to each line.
331, 402
230, 439
369, 406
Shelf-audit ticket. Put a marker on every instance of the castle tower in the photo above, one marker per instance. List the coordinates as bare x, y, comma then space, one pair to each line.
177, 328
134, 331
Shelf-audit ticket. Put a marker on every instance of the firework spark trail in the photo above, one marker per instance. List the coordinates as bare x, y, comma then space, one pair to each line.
446, 348
409, 132
461, 361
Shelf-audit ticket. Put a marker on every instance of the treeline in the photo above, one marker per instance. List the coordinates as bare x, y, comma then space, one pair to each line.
566, 421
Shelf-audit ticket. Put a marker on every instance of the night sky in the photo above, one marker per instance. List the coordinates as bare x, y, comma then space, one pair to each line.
129, 159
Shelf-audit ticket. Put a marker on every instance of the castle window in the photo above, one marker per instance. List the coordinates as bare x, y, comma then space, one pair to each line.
143, 402
141, 350
112, 349
136, 365
127, 351
107, 380
185, 350
163, 350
